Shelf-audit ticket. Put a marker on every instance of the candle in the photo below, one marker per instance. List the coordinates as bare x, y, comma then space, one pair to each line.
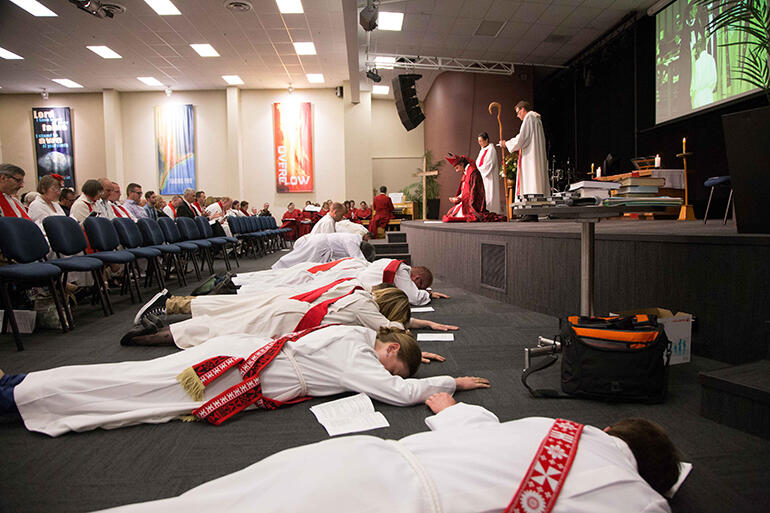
684, 141
592, 167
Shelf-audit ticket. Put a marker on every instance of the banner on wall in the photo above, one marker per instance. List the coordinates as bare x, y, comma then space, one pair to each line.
293, 137
175, 142
52, 128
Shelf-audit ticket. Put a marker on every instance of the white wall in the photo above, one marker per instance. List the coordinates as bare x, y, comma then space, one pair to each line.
396, 153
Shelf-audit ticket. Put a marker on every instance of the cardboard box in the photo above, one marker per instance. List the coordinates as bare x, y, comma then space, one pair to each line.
678, 330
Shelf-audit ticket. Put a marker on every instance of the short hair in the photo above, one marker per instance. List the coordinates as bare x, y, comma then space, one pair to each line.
226, 198
132, 187
244, 204
148, 194
338, 206
91, 188
484, 136
524, 104
11, 170
383, 189
46, 183
188, 190
424, 272
409, 351
236, 203
199, 194
176, 196
657, 460
64, 192
393, 304
368, 251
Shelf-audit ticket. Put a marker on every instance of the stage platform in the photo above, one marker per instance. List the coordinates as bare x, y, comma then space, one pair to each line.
710, 271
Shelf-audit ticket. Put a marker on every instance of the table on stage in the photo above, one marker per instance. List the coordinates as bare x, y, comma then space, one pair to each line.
588, 216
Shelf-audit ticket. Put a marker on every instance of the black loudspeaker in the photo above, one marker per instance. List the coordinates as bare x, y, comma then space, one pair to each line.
338, 91
406, 100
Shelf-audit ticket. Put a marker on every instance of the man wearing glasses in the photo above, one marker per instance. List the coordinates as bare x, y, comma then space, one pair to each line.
11, 181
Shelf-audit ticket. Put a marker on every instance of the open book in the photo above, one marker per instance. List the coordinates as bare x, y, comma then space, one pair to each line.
349, 415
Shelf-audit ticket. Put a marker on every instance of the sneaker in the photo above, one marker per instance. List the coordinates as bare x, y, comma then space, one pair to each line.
206, 287
226, 286
136, 331
156, 306
150, 320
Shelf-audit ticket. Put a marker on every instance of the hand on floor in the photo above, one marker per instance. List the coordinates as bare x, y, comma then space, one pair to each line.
471, 383
427, 357
438, 295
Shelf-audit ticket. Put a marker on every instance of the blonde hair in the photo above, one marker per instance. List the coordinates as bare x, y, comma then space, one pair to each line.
409, 351
393, 304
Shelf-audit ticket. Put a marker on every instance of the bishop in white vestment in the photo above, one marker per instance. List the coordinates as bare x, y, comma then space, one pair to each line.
532, 176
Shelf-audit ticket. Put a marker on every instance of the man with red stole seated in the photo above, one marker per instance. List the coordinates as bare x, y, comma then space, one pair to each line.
11, 180
470, 201
383, 211
291, 220
364, 212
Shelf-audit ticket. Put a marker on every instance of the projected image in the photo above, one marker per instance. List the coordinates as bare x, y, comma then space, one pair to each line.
693, 69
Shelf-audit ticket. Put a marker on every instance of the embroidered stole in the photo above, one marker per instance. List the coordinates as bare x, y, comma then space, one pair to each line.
389, 274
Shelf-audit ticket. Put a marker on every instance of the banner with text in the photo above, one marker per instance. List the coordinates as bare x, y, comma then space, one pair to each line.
175, 141
293, 135
52, 129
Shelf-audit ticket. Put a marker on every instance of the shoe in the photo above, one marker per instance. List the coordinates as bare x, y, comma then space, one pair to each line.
136, 331
226, 286
527, 219
206, 287
150, 320
156, 306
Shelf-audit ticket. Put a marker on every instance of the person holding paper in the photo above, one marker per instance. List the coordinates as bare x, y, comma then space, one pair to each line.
326, 247
291, 220
316, 362
468, 462
532, 176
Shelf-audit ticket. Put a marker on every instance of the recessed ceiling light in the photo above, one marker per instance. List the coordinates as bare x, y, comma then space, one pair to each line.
66, 82
105, 52
232, 79
390, 20
290, 6
305, 48
315, 78
380, 89
163, 7
34, 7
384, 62
205, 50
150, 81
5, 54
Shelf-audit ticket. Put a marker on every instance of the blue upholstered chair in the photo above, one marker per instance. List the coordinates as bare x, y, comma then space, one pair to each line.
189, 231
21, 241
104, 239
719, 181
222, 243
66, 237
172, 236
131, 240
152, 237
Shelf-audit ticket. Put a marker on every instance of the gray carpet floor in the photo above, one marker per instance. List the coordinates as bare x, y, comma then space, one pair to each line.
100, 469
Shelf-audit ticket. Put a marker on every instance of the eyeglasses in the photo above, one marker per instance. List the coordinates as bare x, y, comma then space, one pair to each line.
17, 179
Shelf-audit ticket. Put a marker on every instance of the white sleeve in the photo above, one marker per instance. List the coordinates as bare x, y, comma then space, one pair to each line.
460, 415
404, 282
364, 373
369, 316
36, 211
522, 140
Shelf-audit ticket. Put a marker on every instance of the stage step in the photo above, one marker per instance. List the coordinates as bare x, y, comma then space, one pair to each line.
393, 237
385, 248
406, 257
738, 397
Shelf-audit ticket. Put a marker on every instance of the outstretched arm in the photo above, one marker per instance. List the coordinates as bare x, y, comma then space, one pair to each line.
419, 323
437, 295
427, 357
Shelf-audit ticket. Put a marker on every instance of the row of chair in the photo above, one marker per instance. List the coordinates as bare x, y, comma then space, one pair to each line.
261, 234
164, 242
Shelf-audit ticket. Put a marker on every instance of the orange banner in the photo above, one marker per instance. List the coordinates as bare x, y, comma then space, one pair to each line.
293, 136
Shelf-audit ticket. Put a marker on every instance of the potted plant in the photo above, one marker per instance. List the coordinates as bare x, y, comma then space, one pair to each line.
414, 192
510, 169
747, 133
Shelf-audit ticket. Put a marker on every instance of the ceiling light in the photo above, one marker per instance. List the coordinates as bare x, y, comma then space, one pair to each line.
44, 94
385, 62
315, 78
291, 89
168, 91
105, 52
306, 48
390, 20
290, 6
205, 50
34, 7
380, 89
150, 81
232, 79
163, 7
5, 54
66, 82
373, 75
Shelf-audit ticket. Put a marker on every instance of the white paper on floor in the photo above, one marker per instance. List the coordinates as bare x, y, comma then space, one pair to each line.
435, 337
349, 415
419, 309
684, 471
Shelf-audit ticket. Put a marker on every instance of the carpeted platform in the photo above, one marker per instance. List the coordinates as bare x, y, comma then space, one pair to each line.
100, 469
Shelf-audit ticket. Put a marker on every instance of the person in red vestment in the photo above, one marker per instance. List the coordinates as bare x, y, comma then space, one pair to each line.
383, 211
364, 212
306, 220
291, 220
470, 202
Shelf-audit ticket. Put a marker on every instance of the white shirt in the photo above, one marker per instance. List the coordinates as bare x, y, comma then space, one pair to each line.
326, 224
39, 210
104, 208
81, 208
347, 226
331, 361
321, 248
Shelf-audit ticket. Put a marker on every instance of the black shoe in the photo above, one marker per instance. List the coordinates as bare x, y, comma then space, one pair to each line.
206, 287
150, 320
136, 331
156, 306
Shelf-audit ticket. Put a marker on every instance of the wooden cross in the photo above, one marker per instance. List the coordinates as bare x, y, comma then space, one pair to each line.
425, 174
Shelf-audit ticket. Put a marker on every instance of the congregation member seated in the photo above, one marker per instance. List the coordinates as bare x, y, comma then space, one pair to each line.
325, 247
265, 210
187, 208
383, 212
174, 207
85, 204
116, 208
235, 209
47, 203
66, 199
217, 210
291, 219
363, 212
330, 360
11, 181
469, 461
132, 204
151, 204
28, 197
160, 206
245, 209
200, 200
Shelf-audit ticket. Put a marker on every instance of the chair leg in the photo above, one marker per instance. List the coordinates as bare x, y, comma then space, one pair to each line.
9, 317
708, 206
135, 275
180, 277
195, 266
101, 293
235, 255
67, 310
54, 289
127, 281
209, 258
227, 259
727, 208
158, 268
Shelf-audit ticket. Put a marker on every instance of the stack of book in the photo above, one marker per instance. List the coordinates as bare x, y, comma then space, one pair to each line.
640, 187
594, 188
533, 200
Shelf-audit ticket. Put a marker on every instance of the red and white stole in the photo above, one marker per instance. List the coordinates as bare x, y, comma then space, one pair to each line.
315, 315
172, 209
119, 210
325, 267
542, 483
197, 208
389, 274
238, 397
12, 208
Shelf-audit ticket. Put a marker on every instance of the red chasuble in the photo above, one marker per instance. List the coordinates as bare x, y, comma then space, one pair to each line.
383, 213
472, 198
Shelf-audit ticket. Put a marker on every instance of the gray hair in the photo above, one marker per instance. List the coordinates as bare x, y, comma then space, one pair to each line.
11, 170
188, 191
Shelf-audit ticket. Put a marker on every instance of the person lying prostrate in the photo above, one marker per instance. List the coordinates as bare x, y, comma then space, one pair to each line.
269, 373
326, 247
414, 280
297, 275
468, 462
274, 313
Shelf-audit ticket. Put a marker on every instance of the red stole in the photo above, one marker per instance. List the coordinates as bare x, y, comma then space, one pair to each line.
481, 162
172, 209
325, 267
315, 315
8, 209
245, 393
197, 208
542, 483
389, 274
119, 211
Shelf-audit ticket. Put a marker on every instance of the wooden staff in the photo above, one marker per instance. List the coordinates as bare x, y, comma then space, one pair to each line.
503, 177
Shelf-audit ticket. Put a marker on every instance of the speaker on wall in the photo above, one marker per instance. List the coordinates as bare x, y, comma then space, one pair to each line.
406, 100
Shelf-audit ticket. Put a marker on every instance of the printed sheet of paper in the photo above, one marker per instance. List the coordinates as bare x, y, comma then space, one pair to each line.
349, 415
684, 471
435, 337
419, 309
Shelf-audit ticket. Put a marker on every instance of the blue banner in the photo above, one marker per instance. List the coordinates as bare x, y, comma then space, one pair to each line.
175, 141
